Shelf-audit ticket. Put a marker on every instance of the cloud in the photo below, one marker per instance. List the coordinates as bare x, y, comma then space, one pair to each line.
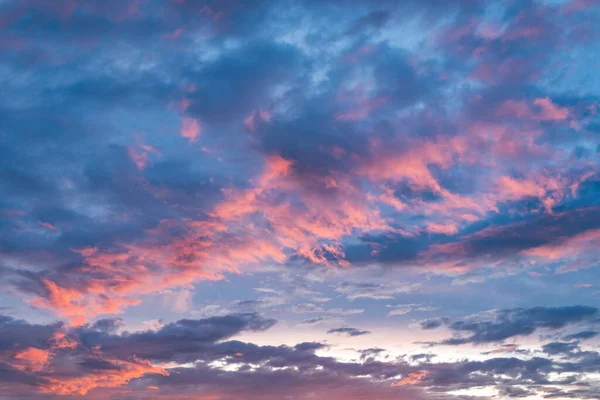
327, 319
412, 378
36, 356
433, 323
505, 348
402, 309
162, 148
180, 301
345, 311
581, 335
374, 291
190, 129
348, 331
74, 361
559, 348
60, 364
498, 325
349, 150
306, 308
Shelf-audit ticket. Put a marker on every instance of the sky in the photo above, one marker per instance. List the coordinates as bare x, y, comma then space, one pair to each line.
299, 199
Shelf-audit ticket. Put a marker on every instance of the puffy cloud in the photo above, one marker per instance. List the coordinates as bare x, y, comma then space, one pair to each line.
74, 361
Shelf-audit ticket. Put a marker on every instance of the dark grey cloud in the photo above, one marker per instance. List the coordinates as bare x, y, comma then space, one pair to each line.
184, 340
499, 325
107, 324
559, 348
433, 323
581, 335
349, 331
21, 332
239, 81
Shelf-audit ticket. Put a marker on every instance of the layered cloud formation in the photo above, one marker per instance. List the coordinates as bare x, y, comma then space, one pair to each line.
238, 199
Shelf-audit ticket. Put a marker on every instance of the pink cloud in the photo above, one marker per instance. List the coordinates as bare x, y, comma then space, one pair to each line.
507, 70
549, 190
140, 159
73, 304
550, 111
214, 15
445, 229
356, 55
14, 213
573, 6
568, 248
524, 32
48, 225
252, 120
507, 348
388, 197
360, 105
190, 129
284, 213
183, 105
301, 227
583, 285
175, 34
140, 154
456, 33
546, 110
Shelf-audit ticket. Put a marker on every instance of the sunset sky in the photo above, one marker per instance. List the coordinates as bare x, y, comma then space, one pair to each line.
299, 199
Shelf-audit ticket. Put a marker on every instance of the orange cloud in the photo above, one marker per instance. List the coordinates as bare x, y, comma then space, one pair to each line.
414, 378
55, 364
60, 341
301, 227
77, 305
122, 373
30, 359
